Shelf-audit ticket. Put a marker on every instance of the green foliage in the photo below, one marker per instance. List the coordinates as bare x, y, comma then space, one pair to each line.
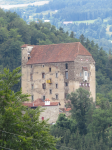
20, 127
81, 103
97, 122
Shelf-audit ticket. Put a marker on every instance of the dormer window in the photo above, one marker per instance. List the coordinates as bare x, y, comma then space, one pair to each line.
66, 66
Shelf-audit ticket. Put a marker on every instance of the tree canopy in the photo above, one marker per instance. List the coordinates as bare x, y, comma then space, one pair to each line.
88, 127
20, 127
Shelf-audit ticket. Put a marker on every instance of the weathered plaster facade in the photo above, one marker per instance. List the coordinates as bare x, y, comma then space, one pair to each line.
32, 80
51, 113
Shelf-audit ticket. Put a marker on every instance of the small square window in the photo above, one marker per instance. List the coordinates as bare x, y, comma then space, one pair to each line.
44, 86
50, 91
43, 75
49, 69
66, 95
56, 96
66, 83
56, 86
32, 86
43, 97
66, 74
32, 98
31, 76
56, 75
88, 84
66, 66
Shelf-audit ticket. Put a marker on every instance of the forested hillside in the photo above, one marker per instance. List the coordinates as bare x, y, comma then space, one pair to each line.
88, 128
14, 32
92, 18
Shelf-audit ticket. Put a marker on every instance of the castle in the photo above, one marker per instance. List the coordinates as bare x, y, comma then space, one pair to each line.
53, 71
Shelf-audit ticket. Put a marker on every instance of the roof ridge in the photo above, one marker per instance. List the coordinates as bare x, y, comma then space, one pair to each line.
57, 44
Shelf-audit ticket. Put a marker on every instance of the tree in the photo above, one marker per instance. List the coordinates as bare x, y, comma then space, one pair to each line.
81, 103
82, 39
20, 127
72, 35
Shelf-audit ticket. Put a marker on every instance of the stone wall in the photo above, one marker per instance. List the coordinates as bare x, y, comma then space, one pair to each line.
75, 78
90, 85
51, 113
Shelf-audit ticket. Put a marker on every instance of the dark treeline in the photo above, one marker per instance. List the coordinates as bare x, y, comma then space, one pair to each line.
87, 128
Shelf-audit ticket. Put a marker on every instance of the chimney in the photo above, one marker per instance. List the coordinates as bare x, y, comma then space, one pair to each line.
47, 101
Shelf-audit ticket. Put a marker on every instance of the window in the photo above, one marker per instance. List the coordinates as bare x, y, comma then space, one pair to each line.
80, 74
31, 76
66, 66
85, 75
31, 66
82, 84
56, 96
42, 118
56, 85
32, 98
66, 74
49, 69
43, 75
56, 75
50, 91
88, 74
43, 97
88, 84
42, 65
32, 87
66, 95
43, 86
66, 83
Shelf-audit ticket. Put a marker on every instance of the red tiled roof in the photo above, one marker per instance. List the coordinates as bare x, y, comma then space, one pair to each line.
47, 99
85, 68
57, 53
39, 102
67, 109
